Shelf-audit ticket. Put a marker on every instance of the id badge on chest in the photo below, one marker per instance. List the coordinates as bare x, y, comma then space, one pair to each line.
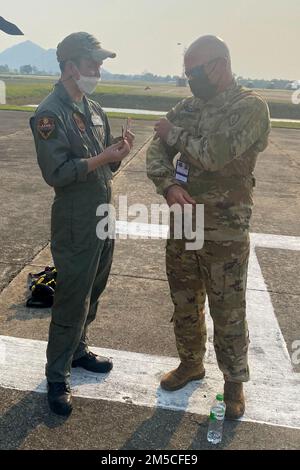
182, 171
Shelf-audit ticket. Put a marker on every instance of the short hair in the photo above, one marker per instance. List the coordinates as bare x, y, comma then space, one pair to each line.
62, 65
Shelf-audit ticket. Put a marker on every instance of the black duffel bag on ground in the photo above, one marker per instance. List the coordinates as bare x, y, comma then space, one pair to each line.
42, 287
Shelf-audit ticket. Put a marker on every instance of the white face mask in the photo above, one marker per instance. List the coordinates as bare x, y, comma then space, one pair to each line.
87, 84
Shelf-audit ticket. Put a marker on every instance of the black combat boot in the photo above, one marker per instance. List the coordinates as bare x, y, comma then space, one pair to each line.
93, 363
60, 398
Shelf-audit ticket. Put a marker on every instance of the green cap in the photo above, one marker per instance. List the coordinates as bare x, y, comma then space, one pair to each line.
82, 45
220, 397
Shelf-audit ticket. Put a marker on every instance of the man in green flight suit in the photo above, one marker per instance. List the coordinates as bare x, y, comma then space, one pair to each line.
218, 133
76, 156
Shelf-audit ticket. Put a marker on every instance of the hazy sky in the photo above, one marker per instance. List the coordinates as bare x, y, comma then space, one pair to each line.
263, 35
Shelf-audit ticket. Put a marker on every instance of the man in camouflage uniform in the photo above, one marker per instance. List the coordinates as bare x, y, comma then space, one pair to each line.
76, 157
218, 133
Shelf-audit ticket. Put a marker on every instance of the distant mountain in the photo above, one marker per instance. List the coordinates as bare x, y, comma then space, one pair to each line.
28, 53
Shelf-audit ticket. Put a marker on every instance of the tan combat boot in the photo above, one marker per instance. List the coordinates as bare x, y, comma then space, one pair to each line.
179, 377
234, 400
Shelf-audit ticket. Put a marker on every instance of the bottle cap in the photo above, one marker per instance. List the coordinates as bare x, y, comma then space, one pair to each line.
220, 397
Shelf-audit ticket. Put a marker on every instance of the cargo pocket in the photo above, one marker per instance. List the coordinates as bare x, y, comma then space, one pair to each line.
61, 223
82, 226
235, 280
233, 284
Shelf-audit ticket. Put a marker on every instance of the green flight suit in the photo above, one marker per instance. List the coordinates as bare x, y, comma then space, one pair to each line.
65, 138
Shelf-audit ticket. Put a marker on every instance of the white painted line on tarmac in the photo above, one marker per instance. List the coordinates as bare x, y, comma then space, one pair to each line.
141, 230
271, 394
279, 242
262, 240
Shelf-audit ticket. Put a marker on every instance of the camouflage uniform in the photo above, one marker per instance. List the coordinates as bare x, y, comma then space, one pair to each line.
220, 140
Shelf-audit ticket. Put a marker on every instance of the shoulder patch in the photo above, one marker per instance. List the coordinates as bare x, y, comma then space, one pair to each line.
188, 107
188, 104
46, 127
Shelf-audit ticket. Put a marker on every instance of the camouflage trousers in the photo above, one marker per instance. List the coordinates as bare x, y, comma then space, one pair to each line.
218, 271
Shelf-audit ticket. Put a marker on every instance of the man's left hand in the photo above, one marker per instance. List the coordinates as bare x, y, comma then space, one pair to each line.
130, 136
162, 128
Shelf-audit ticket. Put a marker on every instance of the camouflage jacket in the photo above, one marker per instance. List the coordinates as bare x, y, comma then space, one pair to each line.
220, 140
65, 138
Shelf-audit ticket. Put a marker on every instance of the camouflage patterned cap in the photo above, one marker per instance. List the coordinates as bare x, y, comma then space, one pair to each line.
78, 45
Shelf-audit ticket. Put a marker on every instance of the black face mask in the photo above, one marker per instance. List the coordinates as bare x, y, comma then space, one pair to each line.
200, 85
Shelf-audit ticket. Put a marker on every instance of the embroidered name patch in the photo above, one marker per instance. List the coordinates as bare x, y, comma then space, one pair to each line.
96, 120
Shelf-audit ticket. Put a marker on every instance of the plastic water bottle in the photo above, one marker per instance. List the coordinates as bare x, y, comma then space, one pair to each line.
216, 420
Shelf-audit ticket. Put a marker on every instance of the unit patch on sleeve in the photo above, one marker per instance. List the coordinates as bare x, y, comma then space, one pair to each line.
46, 127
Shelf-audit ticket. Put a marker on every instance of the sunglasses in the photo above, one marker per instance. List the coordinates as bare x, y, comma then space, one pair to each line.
198, 71
195, 72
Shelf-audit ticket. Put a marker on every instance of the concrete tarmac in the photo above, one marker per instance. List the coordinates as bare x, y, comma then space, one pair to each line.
135, 311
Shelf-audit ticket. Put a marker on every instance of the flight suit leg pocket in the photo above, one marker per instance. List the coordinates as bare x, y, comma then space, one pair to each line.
61, 223
82, 226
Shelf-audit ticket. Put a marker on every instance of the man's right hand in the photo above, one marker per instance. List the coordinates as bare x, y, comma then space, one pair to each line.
116, 152
112, 154
177, 195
